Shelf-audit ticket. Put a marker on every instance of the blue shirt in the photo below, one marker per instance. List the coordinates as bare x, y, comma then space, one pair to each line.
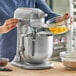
8, 41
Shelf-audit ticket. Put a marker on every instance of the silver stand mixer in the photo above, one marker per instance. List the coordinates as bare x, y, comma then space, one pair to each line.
34, 41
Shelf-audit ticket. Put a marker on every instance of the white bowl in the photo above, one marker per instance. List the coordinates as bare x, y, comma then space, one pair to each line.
68, 59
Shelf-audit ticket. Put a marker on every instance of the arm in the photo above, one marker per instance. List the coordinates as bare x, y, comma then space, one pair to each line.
41, 4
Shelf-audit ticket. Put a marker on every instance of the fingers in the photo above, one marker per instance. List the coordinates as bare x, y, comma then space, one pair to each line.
11, 22
9, 25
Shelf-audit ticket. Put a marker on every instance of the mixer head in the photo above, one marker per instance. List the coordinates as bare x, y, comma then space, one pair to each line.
33, 17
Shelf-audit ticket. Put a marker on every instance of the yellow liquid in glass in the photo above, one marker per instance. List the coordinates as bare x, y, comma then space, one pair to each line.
58, 30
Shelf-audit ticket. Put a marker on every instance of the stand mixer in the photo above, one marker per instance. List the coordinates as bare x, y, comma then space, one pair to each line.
34, 41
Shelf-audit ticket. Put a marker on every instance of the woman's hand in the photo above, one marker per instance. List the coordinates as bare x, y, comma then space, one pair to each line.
65, 17
9, 25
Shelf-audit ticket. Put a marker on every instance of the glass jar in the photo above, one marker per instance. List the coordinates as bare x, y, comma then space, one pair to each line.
58, 27
69, 60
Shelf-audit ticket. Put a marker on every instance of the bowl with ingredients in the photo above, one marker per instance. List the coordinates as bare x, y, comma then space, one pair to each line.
3, 62
69, 60
57, 27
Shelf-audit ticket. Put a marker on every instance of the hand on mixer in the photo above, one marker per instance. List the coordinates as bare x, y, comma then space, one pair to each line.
8, 25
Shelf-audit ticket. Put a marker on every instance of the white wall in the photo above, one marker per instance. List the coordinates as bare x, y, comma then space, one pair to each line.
61, 6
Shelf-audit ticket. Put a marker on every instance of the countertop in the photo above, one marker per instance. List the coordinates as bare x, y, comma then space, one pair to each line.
57, 70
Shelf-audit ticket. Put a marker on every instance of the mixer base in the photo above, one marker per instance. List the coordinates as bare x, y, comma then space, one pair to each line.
46, 65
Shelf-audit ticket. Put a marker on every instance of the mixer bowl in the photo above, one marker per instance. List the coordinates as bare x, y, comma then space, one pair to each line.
38, 50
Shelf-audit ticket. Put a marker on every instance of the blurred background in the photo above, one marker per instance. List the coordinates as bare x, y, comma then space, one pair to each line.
61, 7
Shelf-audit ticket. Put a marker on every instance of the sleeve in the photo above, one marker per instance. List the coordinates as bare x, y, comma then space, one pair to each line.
41, 4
